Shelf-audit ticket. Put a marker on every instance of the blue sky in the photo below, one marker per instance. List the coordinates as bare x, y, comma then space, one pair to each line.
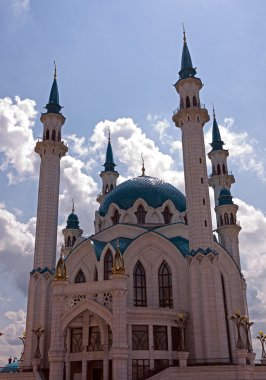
117, 62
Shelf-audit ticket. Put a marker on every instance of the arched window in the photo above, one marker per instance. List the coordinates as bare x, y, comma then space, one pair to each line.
226, 219
69, 241
111, 187
47, 135
80, 277
194, 100
95, 274
182, 103
185, 219
221, 221
203, 201
115, 217
108, 264
224, 171
187, 102
139, 285
74, 240
218, 169
165, 286
141, 214
53, 135
232, 219
167, 215
59, 136
106, 189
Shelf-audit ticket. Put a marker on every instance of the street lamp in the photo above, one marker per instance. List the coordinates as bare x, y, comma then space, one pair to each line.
238, 321
262, 339
38, 333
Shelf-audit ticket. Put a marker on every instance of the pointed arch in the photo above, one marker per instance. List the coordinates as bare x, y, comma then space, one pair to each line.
115, 217
165, 286
218, 169
53, 135
221, 220
167, 216
111, 187
106, 191
226, 218
108, 264
141, 214
74, 240
47, 136
232, 219
139, 285
80, 277
224, 170
69, 241
187, 102
194, 101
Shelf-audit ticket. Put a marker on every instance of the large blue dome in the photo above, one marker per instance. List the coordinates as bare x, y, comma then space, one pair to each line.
153, 190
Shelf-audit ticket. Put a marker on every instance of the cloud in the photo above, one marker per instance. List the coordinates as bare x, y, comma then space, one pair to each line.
16, 246
11, 345
17, 157
20, 6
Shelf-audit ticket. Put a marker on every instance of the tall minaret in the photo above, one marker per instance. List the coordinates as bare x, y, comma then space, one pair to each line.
221, 180
220, 177
109, 175
190, 117
51, 149
72, 232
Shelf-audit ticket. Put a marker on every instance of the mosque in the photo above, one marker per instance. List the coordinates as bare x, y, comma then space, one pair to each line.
152, 294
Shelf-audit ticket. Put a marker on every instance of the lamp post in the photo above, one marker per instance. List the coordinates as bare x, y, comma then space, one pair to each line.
182, 321
262, 339
38, 333
22, 338
238, 321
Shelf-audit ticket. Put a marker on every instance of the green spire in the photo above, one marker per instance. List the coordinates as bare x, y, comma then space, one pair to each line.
72, 220
187, 70
109, 164
53, 106
225, 197
217, 143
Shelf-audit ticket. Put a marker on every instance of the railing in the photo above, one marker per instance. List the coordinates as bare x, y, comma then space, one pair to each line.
199, 105
20, 368
210, 362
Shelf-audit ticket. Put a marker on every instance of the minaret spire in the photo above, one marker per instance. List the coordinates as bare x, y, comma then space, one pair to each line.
187, 69
53, 105
109, 175
143, 166
217, 143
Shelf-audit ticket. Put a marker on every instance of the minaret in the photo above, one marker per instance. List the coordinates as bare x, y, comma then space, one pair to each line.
221, 180
227, 226
72, 232
220, 177
109, 175
190, 117
51, 149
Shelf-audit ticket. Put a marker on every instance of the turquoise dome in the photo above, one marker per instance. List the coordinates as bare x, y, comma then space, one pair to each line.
225, 197
152, 190
10, 367
72, 221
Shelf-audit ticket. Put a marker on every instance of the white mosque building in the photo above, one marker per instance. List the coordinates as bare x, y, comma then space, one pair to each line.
152, 294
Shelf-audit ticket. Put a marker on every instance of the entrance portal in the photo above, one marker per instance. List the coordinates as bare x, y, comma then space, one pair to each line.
95, 370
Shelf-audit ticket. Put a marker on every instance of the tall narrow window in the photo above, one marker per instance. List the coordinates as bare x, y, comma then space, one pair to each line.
176, 338
139, 285
218, 169
167, 215
221, 221
108, 264
74, 240
76, 340
69, 241
80, 277
232, 219
141, 214
224, 171
106, 189
53, 134
165, 286
115, 217
47, 134
194, 101
94, 339
226, 219
187, 102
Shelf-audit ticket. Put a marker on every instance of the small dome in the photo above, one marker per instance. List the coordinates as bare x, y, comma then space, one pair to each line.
72, 221
225, 197
152, 190
10, 367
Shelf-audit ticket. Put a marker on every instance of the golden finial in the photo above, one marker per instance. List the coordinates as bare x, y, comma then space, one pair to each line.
73, 206
55, 71
184, 34
118, 267
60, 273
143, 167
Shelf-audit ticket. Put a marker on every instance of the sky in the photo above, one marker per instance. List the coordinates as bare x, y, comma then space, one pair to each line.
117, 63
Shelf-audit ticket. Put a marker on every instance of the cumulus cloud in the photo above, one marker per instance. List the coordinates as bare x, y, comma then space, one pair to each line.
16, 246
11, 345
17, 157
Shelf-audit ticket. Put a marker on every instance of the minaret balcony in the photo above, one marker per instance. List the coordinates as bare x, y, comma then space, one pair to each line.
182, 106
